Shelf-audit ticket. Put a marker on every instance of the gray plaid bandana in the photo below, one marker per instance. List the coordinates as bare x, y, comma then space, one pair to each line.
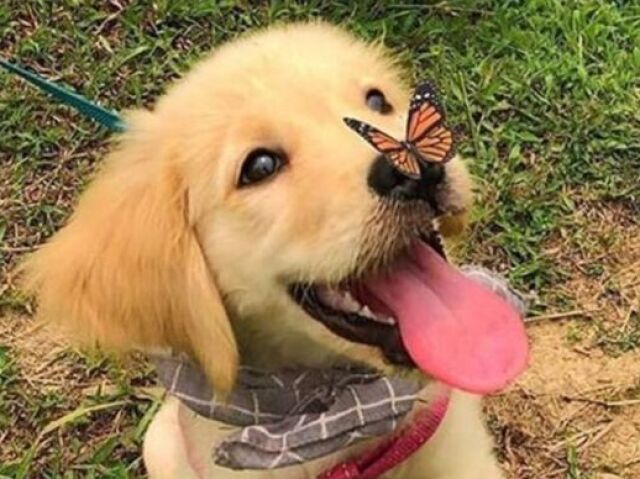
293, 416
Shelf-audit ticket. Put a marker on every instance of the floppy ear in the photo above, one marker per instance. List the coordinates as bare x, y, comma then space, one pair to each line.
128, 272
453, 224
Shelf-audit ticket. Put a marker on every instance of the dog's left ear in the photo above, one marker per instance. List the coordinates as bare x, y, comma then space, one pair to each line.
128, 272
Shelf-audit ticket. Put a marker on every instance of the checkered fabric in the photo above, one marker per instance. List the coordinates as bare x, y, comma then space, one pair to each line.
293, 416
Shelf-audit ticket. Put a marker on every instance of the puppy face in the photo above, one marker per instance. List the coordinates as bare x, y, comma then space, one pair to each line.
234, 219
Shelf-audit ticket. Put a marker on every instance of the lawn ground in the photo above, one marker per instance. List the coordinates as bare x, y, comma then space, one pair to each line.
546, 97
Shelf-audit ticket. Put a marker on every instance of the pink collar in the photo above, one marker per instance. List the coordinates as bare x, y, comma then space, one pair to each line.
391, 452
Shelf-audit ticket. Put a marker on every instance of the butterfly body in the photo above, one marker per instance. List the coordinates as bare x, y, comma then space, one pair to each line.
428, 139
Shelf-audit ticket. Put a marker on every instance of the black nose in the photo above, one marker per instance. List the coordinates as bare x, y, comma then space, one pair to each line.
387, 181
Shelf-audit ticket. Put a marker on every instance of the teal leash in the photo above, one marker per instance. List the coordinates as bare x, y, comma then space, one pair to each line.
83, 105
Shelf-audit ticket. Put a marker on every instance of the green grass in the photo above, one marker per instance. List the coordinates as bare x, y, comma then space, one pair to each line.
545, 95
574, 468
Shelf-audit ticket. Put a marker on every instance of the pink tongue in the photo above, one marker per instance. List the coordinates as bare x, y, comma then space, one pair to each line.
455, 329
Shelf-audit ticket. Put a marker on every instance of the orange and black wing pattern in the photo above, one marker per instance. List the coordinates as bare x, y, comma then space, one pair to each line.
426, 131
397, 152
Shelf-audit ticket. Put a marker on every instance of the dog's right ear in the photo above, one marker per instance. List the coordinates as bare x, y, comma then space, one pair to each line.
128, 271
452, 225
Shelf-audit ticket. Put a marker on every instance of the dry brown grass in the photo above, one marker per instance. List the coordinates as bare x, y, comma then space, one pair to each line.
54, 396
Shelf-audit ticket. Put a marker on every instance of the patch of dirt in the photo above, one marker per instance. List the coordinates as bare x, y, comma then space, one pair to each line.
576, 412
571, 398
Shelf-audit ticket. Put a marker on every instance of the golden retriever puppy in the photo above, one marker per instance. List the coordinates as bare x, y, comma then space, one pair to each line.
244, 190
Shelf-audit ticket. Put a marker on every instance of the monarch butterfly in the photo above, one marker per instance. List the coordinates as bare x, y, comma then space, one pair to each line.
428, 139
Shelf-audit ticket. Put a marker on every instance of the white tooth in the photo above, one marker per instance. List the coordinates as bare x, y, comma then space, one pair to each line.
380, 318
343, 300
385, 319
365, 311
350, 302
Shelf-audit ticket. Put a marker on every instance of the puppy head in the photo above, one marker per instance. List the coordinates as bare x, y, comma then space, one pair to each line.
241, 188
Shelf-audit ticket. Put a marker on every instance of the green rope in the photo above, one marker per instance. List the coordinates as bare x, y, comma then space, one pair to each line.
107, 118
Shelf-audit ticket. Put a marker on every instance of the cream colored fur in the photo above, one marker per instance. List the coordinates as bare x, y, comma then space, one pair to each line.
165, 252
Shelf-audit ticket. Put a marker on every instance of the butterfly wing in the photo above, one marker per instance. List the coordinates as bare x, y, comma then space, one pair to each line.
406, 162
426, 128
437, 146
397, 153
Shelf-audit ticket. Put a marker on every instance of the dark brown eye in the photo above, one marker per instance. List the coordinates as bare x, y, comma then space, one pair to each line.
376, 101
259, 165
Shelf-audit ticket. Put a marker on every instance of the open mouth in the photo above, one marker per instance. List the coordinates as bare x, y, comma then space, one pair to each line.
344, 309
422, 312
